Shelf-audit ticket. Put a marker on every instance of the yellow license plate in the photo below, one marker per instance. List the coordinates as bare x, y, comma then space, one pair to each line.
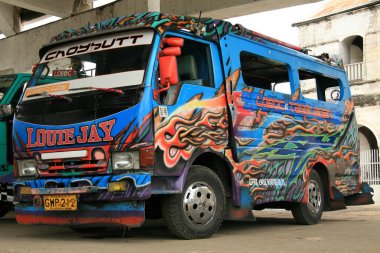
60, 202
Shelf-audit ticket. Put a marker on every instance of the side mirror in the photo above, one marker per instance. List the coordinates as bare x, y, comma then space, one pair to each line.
168, 71
170, 48
6, 110
172, 42
170, 51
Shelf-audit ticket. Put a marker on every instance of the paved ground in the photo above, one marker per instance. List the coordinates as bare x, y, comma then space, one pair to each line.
356, 229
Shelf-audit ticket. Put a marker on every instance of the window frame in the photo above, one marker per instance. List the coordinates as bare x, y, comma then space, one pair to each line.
319, 90
286, 64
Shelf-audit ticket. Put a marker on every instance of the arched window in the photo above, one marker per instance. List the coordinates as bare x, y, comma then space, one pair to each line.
352, 49
367, 139
352, 54
369, 156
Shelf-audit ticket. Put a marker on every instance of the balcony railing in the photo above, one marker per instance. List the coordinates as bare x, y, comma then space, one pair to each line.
354, 71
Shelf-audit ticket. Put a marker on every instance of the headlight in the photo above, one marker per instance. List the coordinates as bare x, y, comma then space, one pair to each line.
126, 160
27, 167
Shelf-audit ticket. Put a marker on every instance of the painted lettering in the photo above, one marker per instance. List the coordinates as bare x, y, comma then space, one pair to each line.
29, 143
63, 137
107, 126
135, 37
121, 40
84, 48
108, 46
72, 51
94, 135
94, 46
83, 137
51, 137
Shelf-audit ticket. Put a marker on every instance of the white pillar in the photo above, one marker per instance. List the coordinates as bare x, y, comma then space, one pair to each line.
8, 20
154, 5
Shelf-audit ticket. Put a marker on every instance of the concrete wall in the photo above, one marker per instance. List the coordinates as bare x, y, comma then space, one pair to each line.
20, 52
327, 35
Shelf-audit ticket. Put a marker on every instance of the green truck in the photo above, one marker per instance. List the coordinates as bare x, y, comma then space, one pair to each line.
11, 88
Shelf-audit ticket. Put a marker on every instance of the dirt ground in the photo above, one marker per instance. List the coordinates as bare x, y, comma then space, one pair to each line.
356, 229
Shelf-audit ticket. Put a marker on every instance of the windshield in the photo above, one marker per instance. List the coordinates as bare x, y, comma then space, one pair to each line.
96, 57
5, 84
96, 77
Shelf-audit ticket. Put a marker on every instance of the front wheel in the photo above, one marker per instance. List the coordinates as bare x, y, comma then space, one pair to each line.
311, 212
199, 210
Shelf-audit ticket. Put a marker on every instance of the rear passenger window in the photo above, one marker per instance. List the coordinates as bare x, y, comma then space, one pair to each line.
264, 73
318, 87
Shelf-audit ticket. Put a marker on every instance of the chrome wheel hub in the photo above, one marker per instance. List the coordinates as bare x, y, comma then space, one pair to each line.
199, 203
315, 197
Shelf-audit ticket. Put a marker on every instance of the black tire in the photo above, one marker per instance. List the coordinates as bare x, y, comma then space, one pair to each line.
5, 207
311, 213
199, 210
88, 230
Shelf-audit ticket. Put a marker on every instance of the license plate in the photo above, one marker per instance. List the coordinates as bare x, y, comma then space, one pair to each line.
60, 202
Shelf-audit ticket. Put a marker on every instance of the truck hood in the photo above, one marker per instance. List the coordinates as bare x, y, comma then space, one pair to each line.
116, 132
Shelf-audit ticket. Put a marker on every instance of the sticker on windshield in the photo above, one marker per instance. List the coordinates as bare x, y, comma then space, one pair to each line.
99, 44
63, 73
36, 91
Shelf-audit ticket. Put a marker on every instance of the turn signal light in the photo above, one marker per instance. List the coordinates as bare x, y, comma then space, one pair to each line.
117, 186
147, 157
25, 190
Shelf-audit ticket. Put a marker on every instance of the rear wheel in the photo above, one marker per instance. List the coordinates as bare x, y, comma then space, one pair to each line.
311, 212
199, 210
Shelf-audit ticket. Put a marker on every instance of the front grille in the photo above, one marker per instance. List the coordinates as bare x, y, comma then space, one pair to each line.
81, 166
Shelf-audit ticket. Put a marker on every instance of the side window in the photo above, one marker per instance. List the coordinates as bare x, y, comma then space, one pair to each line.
194, 67
318, 87
17, 96
264, 73
194, 64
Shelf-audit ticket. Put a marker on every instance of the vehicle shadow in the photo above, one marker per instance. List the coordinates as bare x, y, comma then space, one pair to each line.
151, 229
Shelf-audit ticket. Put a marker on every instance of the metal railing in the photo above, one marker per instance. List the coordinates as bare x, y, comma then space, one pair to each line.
354, 71
370, 166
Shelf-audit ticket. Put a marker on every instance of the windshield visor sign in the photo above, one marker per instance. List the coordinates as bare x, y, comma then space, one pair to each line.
99, 44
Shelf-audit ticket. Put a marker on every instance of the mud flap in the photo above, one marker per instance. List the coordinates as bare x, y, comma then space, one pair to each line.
364, 197
235, 213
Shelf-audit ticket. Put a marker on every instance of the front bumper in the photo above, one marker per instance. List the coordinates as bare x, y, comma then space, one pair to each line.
128, 213
96, 205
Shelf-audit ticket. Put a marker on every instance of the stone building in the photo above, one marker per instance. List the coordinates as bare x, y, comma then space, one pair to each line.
351, 28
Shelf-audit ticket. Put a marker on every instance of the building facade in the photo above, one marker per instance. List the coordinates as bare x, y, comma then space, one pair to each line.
351, 28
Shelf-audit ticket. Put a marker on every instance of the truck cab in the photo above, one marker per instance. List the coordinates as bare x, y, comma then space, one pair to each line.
11, 88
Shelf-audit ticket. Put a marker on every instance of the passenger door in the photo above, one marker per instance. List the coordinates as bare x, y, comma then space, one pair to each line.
260, 86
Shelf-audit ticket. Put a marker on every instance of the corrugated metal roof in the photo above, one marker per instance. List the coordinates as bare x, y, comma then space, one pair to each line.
335, 6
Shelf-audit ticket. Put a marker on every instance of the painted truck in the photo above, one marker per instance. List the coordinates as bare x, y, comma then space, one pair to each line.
193, 120
11, 88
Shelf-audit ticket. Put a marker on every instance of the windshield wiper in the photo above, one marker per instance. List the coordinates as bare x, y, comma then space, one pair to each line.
46, 94
118, 91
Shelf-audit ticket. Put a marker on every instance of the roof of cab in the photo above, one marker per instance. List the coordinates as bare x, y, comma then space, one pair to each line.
207, 28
